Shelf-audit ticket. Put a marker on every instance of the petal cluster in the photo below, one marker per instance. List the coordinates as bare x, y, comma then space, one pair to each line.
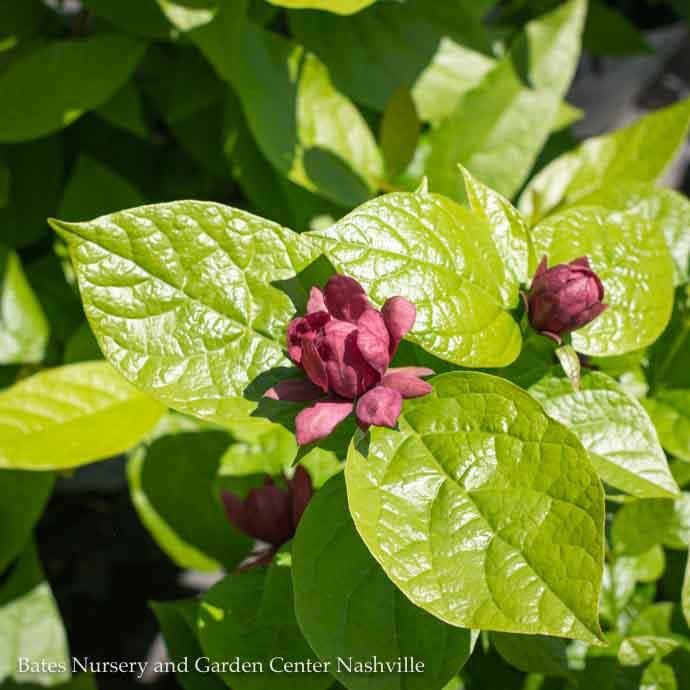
564, 298
345, 347
270, 513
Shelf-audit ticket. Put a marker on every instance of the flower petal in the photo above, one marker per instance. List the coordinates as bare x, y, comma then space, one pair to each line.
301, 491
408, 386
320, 420
313, 365
380, 407
316, 301
294, 390
345, 298
269, 512
236, 512
412, 371
373, 340
399, 316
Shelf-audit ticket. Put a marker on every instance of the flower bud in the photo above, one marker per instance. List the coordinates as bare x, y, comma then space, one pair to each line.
564, 298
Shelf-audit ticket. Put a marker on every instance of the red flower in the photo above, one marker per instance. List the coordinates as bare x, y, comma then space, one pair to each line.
345, 347
270, 514
564, 298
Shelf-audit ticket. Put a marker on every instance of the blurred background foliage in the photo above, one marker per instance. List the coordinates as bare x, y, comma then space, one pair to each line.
296, 115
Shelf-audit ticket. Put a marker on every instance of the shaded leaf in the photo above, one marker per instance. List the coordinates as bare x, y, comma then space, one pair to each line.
670, 412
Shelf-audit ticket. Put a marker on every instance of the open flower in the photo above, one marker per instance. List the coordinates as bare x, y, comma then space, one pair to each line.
270, 514
345, 347
564, 298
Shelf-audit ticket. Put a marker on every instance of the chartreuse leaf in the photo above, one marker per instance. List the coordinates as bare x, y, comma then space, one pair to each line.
508, 230
336, 6
614, 428
186, 15
498, 128
637, 153
665, 207
177, 620
645, 567
24, 329
629, 254
318, 139
23, 495
250, 615
182, 299
635, 651
640, 525
430, 48
51, 86
670, 412
439, 256
335, 578
31, 627
71, 416
173, 482
483, 510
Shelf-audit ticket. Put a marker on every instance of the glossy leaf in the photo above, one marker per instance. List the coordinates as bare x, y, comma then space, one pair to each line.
31, 628
51, 86
23, 496
336, 6
246, 615
317, 138
665, 207
174, 488
430, 48
670, 412
335, 578
24, 329
637, 153
479, 505
629, 254
182, 300
498, 128
70, 416
439, 256
615, 430
508, 231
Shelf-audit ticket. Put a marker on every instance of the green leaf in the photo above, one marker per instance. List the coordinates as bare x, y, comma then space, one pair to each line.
335, 578
31, 628
677, 534
271, 452
336, 6
23, 496
181, 298
669, 360
483, 510
439, 256
186, 15
641, 524
629, 254
94, 190
174, 482
32, 197
5, 184
429, 48
143, 19
670, 412
508, 231
125, 110
251, 616
685, 596
177, 620
400, 129
635, 651
614, 429
50, 87
571, 365
70, 416
317, 138
665, 207
24, 330
498, 128
645, 567
637, 153
533, 653
608, 32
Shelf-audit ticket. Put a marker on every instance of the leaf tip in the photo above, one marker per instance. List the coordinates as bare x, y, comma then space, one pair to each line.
423, 186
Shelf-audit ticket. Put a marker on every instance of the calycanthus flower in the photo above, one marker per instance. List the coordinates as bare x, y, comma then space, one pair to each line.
270, 514
345, 347
564, 298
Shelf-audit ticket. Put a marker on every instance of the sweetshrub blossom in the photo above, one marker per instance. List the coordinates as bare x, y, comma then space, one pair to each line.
564, 298
270, 514
345, 347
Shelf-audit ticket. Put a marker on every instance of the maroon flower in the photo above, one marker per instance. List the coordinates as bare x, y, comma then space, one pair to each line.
564, 298
270, 514
345, 346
